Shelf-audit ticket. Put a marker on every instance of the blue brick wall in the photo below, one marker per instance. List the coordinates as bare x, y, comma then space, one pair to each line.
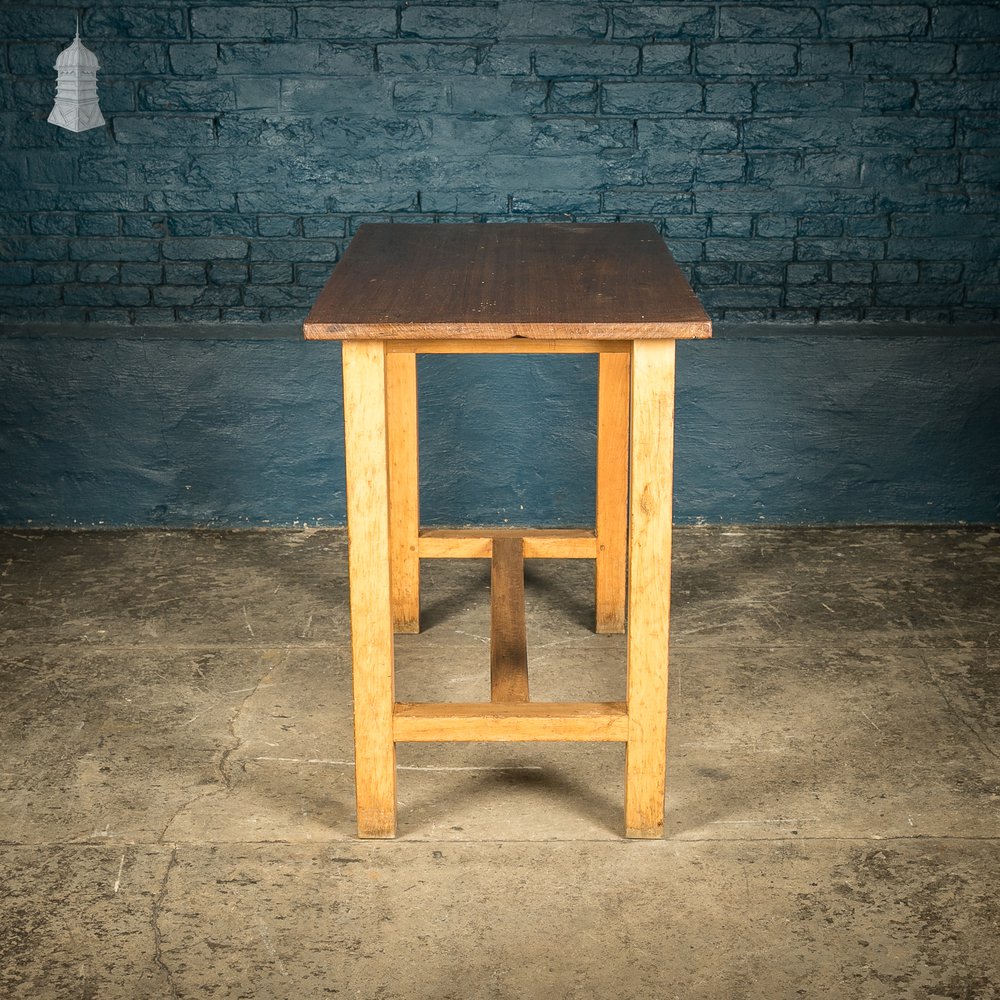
808, 161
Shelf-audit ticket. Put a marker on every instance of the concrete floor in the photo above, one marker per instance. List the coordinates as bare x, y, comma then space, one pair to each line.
177, 784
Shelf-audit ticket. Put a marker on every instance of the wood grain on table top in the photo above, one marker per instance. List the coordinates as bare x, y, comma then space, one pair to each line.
597, 281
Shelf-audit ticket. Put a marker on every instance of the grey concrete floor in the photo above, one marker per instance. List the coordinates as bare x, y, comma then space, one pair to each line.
177, 801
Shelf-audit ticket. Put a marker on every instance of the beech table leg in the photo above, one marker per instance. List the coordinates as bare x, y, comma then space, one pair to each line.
612, 491
371, 598
650, 513
404, 493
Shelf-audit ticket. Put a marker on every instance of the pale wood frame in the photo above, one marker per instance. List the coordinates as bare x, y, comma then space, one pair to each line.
386, 545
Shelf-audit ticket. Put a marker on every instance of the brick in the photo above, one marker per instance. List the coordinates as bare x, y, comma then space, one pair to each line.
105, 295
131, 59
829, 200
53, 274
187, 95
363, 97
103, 272
419, 97
941, 271
730, 225
323, 226
894, 170
821, 225
497, 96
208, 200
728, 98
865, 21
277, 225
454, 200
346, 22
432, 21
507, 59
241, 21
642, 201
102, 171
570, 203
163, 130
421, 57
753, 21
808, 131
256, 93
141, 274
981, 169
294, 250
669, 59
50, 167
19, 249
931, 224
32, 58
895, 271
115, 248
650, 98
278, 295
979, 133
196, 295
688, 133
715, 274
345, 60
903, 58
312, 275
573, 98
818, 295
594, 59
193, 58
748, 250
775, 226
30, 295
224, 273
965, 21
525, 19
15, 274
215, 248
160, 21
97, 224
871, 225
918, 295
184, 273
889, 95
959, 95
852, 272
53, 224
805, 95
284, 57
980, 58
823, 59
265, 130
907, 131
719, 296
745, 59
23, 21
273, 274
230, 224
807, 273
721, 168
663, 21
854, 248
666, 166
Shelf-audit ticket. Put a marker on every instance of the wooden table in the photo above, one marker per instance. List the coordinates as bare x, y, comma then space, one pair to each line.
610, 289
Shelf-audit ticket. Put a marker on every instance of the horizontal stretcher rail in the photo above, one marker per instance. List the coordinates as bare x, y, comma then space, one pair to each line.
477, 543
509, 345
511, 721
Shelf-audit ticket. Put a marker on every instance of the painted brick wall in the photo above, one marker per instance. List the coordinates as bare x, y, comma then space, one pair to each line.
805, 161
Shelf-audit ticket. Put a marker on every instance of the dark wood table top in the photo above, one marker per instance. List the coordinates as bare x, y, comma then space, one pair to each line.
602, 281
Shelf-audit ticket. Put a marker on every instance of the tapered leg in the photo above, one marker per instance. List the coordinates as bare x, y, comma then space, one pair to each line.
366, 454
650, 513
404, 494
612, 491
